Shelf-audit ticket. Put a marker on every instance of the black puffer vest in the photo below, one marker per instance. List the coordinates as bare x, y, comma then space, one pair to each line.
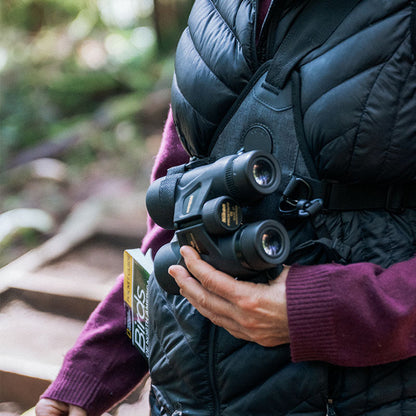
345, 113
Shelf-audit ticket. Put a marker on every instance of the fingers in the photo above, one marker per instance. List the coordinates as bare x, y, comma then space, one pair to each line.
251, 311
48, 407
208, 303
212, 279
212, 294
76, 411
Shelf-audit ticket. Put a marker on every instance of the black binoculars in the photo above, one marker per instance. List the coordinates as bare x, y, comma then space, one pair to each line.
203, 203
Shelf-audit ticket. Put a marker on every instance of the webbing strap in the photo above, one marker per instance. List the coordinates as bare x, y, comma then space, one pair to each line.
166, 196
341, 197
311, 29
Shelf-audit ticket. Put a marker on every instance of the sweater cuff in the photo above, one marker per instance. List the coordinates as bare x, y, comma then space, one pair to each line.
80, 389
310, 314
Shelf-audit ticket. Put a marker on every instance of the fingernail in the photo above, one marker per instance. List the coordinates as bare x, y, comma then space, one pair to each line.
183, 250
187, 251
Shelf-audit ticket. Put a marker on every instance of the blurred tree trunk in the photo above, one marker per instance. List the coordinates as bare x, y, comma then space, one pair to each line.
170, 18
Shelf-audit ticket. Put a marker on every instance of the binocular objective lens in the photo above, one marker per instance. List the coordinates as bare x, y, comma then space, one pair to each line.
272, 243
263, 172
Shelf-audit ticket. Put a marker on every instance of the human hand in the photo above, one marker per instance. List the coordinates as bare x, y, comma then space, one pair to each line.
48, 407
251, 311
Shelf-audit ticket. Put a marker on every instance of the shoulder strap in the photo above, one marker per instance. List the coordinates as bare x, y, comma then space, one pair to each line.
311, 29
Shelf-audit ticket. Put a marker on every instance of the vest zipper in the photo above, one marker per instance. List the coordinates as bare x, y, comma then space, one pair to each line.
165, 406
262, 48
330, 411
168, 412
211, 369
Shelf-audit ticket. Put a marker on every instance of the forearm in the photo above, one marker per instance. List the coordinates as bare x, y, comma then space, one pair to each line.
354, 315
103, 366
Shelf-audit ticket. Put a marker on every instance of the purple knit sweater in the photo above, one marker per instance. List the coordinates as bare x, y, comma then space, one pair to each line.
355, 315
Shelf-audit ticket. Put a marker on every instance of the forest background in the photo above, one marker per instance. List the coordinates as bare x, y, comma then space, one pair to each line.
84, 90
84, 93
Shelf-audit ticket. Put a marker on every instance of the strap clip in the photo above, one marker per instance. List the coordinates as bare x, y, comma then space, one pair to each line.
309, 208
296, 199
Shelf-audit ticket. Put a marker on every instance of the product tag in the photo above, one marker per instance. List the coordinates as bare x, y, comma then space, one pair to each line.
137, 269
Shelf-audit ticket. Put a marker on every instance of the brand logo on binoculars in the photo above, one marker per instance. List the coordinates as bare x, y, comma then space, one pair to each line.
189, 204
193, 242
230, 214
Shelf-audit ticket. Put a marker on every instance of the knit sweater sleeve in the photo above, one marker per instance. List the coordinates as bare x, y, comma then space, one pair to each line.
103, 367
354, 315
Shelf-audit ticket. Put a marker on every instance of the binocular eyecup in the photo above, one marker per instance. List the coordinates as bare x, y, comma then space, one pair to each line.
255, 247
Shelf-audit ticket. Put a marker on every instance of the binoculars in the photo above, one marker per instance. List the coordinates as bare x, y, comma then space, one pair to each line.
203, 202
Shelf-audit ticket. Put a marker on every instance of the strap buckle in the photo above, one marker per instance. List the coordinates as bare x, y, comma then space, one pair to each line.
309, 208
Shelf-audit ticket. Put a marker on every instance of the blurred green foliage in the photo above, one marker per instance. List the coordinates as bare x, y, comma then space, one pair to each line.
62, 59
75, 82
31, 15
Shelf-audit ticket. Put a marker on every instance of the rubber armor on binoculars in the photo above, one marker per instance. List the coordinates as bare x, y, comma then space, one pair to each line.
203, 202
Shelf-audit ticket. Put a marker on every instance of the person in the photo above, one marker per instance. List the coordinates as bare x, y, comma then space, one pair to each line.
331, 88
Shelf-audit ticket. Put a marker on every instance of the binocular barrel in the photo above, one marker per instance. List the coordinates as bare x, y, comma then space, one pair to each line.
253, 248
245, 177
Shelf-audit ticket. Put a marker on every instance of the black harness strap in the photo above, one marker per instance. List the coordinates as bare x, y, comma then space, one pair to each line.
394, 197
344, 197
